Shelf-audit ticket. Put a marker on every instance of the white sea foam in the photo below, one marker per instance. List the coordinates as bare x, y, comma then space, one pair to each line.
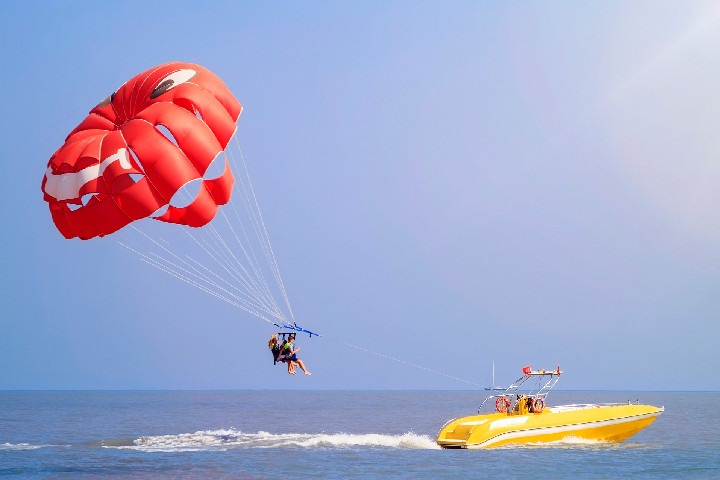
571, 441
21, 446
233, 439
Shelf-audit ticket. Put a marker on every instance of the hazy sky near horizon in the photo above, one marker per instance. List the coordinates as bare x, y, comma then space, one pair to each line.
450, 183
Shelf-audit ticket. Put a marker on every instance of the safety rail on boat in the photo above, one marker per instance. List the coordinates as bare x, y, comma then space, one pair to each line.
510, 392
580, 406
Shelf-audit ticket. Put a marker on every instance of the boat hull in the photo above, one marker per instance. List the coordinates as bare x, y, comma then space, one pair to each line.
612, 423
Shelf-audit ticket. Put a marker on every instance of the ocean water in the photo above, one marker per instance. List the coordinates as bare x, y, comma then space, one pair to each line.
327, 434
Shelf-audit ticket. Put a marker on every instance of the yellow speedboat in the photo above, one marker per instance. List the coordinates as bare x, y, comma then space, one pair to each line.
524, 418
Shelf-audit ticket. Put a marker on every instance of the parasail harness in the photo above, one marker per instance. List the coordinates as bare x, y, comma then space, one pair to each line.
287, 331
294, 328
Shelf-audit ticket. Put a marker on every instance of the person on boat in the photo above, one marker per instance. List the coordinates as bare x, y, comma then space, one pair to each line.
290, 345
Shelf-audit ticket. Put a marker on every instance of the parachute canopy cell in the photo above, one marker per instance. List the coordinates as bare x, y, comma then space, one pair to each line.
119, 165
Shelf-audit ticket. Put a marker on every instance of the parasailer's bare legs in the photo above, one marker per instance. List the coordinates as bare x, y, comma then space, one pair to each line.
302, 366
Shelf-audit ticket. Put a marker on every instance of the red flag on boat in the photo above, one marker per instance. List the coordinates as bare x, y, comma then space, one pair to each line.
527, 369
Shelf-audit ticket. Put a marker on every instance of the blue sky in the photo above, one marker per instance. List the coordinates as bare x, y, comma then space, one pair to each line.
450, 183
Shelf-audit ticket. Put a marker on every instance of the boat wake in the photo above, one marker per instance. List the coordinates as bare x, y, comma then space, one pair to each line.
573, 442
21, 446
222, 440
570, 441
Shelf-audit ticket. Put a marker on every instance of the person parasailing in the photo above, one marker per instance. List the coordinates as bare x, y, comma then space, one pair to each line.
289, 348
274, 347
280, 353
285, 350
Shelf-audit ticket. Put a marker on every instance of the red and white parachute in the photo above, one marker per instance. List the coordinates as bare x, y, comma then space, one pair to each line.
120, 164
156, 148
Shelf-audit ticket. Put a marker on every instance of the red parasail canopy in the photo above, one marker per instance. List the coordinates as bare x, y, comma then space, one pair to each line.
118, 166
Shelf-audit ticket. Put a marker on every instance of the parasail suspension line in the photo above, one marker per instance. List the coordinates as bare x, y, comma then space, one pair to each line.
271, 259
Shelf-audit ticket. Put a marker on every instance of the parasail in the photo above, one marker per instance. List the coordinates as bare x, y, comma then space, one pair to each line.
137, 148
